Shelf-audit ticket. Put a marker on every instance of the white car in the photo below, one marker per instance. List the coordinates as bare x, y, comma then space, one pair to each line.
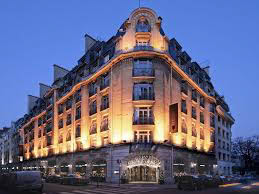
26, 181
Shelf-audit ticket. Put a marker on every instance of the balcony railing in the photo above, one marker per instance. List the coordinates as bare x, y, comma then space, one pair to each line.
144, 121
137, 72
144, 97
143, 47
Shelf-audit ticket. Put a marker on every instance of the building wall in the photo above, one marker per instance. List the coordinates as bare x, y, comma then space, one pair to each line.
168, 81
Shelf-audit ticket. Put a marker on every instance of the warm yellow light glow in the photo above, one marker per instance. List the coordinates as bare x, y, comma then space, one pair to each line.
177, 139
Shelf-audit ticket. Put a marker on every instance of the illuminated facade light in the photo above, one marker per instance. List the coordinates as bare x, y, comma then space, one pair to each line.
139, 105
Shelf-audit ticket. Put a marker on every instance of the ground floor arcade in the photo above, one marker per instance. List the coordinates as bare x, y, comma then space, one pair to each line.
132, 162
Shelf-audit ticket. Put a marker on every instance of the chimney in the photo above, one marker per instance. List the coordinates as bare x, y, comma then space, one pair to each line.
31, 102
59, 72
89, 42
44, 89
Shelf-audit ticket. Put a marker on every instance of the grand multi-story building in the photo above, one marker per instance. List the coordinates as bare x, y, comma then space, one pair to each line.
135, 104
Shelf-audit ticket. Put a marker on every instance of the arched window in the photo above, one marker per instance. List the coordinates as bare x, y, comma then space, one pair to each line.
184, 126
143, 25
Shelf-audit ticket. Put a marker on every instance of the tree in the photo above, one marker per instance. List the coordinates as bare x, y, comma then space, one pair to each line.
247, 148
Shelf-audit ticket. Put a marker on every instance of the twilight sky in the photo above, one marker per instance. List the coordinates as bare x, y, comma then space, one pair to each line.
34, 35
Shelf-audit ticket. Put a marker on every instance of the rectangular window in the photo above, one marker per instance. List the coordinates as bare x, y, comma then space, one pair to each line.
78, 131
105, 123
212, 121
184, 87
69, 119
60, 123
93, 127
143, 67
77, 96
202, 117
60, 109
92, 89
105, 81
202, 101
212, 108
105, 102
143, 116
93, 108
68, 103
184, 107
194, 95
78, 112
219, 131
48, 127
143, 91
194, 113
143, 136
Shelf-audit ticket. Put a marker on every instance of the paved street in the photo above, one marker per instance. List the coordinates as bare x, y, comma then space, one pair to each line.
252, 188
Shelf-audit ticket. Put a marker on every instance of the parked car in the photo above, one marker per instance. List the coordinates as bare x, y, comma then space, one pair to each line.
208, 181
25, 181
53, 179
190, 182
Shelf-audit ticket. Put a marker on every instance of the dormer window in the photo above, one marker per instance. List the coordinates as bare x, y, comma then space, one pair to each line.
143, 25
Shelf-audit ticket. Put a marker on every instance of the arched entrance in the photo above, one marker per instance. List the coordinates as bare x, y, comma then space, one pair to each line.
143, 168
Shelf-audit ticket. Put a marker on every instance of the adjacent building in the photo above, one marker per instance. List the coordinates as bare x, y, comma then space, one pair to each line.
136, 103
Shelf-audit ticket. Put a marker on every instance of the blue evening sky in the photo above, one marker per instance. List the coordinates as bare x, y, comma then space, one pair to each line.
34, 35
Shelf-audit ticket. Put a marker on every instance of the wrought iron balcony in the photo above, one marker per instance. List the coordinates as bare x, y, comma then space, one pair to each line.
148, 72
143, 48
150, 96
144, 121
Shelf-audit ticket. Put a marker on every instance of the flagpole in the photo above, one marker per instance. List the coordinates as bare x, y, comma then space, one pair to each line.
139, 3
